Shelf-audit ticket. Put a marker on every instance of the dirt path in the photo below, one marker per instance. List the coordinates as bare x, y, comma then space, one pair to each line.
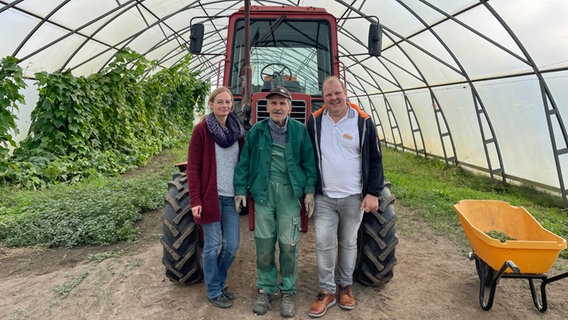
433, 280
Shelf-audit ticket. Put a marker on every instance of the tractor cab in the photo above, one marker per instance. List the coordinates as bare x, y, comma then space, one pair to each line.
292, 47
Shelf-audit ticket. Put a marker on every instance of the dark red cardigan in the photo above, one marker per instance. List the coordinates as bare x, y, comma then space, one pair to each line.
202, 173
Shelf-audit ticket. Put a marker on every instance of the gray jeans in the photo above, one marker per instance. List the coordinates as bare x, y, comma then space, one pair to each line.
336, 222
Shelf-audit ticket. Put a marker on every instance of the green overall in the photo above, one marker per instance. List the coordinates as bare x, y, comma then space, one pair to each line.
278, 218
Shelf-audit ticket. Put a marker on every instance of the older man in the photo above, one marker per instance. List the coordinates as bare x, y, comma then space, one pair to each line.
277, 167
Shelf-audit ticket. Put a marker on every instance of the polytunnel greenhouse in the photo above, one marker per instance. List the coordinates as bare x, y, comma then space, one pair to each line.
474, 83
98, 97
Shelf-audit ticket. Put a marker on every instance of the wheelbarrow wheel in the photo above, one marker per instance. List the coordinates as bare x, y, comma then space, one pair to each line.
181, 237
376, 243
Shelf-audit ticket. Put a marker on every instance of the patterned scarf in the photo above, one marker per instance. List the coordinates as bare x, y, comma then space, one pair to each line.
225, 136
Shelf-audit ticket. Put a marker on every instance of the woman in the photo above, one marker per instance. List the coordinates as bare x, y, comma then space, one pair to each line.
213, 154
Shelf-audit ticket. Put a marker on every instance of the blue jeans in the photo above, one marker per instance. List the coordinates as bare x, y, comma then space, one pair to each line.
337, 220
220, 245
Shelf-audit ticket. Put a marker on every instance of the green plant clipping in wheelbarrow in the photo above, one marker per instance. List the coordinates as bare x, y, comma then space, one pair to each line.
501, 236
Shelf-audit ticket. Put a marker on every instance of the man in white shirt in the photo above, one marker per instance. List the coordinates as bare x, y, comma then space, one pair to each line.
350, 180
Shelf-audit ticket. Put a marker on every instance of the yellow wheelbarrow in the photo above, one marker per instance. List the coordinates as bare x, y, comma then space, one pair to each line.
527, 252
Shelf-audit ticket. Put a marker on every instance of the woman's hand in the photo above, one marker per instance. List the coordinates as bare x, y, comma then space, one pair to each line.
196, 211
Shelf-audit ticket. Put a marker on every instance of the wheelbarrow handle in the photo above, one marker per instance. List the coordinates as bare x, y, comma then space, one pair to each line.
511, 265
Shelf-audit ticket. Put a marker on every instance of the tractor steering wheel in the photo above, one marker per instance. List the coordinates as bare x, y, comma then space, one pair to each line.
276, 74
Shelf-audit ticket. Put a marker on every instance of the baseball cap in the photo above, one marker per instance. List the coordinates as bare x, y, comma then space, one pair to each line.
281, 91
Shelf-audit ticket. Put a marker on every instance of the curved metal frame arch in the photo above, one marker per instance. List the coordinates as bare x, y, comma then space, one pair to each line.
480, 109
175, 36
478, 103
90, 37
216, 30
76, 31
374, 109
544, 89
129, 40
413, 121
389, 109
10, 5
438, 111
42, 21
546, 96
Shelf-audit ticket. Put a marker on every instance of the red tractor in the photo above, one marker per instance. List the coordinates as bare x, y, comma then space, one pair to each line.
297, 48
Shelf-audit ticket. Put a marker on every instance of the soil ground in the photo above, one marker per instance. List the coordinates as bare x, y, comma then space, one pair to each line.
433, 279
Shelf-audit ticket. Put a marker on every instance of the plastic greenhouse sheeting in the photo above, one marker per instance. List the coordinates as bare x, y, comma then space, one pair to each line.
476, 83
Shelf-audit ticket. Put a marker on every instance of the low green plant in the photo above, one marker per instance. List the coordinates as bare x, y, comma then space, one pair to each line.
66, 288
97, 211
101, 256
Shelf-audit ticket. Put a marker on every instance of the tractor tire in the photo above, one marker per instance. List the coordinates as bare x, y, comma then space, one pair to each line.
180, 235
376, 243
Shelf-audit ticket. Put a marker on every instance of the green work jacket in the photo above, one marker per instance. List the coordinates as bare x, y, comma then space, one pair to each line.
253, 170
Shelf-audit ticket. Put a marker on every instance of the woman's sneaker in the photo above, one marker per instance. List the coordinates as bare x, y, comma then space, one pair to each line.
228, 293
221, 301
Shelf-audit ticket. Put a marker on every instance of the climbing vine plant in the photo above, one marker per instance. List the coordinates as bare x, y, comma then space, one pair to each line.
11, 82
106, 123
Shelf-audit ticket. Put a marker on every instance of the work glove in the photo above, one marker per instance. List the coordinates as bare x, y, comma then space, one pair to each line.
240, 202
309, 204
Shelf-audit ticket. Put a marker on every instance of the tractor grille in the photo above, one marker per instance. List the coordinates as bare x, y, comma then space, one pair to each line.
299, 108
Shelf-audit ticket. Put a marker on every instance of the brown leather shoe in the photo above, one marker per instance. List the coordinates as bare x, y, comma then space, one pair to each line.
324, 301
346, 298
